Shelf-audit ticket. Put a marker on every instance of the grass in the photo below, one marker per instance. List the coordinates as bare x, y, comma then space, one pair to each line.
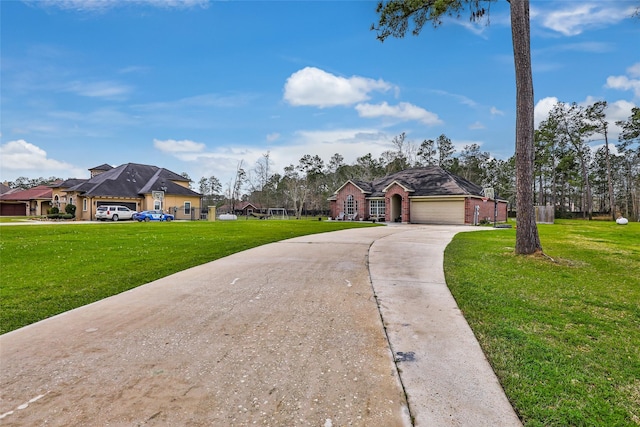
15, 218
562, 334
49, 269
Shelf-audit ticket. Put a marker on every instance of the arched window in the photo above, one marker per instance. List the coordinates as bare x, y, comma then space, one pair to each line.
350, 205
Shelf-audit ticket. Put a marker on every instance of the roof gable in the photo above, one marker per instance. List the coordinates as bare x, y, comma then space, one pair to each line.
396, 182
4, 188
363, 186
102, 167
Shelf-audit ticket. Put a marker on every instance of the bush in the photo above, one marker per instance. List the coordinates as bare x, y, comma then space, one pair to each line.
66, 216
54, 210
70, 210
53, 216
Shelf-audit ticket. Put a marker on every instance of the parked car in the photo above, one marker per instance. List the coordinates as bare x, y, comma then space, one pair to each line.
114, 213
153, 216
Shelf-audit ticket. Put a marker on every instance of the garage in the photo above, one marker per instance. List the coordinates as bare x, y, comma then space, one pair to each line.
131, 205
13, 209
437, 211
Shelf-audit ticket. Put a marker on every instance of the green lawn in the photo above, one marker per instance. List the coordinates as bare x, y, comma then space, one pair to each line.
51, 268
562, 334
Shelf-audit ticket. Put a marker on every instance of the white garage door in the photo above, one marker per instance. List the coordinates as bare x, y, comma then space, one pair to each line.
437, 211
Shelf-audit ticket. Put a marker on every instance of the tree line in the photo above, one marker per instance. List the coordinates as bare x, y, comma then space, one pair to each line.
306, 186
576, 169
569, 174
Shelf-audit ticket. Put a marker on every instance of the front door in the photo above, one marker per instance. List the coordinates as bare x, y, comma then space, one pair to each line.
396, 208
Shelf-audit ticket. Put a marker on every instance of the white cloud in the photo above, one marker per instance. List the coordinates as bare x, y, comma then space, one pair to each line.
172, 146
404, 111
495, 112
477, 126
23, 158
634, 70
208, 100
626, 83
542, 109
273, 137
314, 87
350, 143
617, 111
577, 17
461, 98
106, 89
100, 6
133, 69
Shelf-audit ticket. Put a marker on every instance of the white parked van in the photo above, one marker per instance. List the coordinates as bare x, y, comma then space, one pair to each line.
113, 213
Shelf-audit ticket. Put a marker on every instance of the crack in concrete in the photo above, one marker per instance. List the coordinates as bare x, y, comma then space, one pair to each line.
396, 361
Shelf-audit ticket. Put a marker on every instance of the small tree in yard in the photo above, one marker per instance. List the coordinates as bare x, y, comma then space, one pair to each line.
71, 210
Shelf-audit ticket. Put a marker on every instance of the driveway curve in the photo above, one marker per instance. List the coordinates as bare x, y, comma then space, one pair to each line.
324, 330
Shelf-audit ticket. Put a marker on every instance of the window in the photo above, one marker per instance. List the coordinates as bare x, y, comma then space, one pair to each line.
84, 205
70, 200
349, 205
187, 208
376, 208
157, 205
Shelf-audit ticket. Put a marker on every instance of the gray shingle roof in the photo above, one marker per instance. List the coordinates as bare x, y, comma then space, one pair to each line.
133, 180
423, 181
102, 167
68, 183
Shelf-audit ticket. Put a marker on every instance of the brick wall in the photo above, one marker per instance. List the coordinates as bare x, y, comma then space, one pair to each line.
361, 204
486, 210
395, 189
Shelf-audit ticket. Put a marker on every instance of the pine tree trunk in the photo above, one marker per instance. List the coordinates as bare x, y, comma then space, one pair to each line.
527, 239
612, 204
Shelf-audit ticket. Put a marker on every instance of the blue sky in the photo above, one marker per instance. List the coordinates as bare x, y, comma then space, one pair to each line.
197, 86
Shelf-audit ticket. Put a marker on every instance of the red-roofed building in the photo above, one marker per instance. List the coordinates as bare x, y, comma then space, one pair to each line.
34, 201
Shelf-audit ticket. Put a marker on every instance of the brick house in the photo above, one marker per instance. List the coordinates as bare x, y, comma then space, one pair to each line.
425, 195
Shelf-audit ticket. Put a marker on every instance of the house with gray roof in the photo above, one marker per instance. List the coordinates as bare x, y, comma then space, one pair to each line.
424, 195
137, 186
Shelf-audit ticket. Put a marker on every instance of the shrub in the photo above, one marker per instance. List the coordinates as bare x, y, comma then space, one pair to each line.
67, 216
53, 210
70, 210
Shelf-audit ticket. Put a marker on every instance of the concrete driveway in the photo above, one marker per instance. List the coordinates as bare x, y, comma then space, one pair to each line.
354, 327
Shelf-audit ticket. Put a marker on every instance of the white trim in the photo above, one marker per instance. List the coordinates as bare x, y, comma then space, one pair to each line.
436, 198
385, 189
354, 184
